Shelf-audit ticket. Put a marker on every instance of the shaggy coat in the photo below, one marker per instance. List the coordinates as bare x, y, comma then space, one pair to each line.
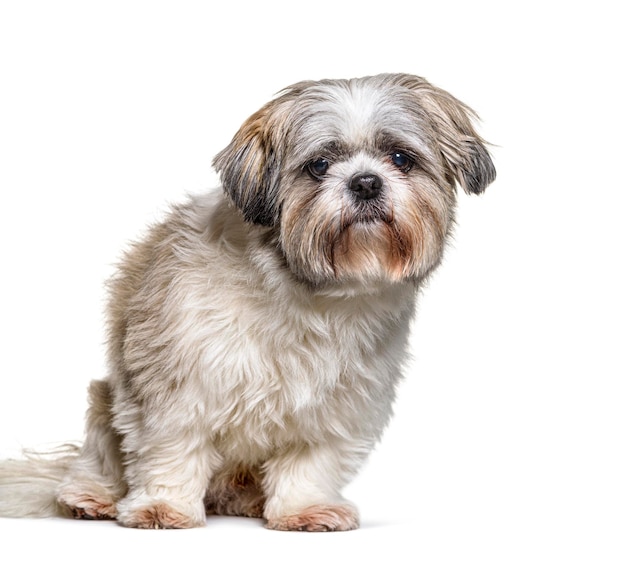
257, 334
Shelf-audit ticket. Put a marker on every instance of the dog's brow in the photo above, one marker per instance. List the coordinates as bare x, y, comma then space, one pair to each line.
333, 149
387, 142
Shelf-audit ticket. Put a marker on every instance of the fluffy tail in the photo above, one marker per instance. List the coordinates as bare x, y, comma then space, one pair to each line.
28, 486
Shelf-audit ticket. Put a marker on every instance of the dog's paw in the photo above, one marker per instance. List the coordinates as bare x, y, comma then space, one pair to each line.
318, 518
158, 515
87, 506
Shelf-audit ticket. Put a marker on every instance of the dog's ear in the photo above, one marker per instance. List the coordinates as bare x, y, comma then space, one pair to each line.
250, 166
464, 152
463, 149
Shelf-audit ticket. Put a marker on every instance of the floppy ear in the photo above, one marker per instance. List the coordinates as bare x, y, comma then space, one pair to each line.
250, 166
249, 169
464, 152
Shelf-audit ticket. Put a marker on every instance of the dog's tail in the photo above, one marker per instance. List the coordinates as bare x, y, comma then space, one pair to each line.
28, 486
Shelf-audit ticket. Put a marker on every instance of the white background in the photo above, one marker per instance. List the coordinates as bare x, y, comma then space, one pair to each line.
507, 451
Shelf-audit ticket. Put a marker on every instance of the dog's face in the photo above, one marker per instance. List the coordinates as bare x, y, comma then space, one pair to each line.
356, 177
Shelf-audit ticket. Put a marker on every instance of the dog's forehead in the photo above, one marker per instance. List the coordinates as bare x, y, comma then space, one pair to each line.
356, 114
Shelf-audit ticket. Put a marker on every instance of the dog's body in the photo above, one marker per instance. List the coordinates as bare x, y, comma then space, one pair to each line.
256, 336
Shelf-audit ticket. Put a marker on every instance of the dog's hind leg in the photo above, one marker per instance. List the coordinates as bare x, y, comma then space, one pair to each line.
236, 490
95, 482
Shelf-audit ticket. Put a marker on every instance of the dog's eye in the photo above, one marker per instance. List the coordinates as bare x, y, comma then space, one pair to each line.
318, 168
402, 161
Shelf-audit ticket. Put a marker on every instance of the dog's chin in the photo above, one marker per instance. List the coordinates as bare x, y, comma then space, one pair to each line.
370, 249
364, 252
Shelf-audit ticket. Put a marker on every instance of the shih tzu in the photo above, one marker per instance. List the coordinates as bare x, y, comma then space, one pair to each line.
256, 336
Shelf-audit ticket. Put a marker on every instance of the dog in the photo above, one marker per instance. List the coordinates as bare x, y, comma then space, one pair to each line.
256, 336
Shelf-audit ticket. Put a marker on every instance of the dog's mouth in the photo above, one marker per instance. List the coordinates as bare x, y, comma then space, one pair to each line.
370, 244
367, 215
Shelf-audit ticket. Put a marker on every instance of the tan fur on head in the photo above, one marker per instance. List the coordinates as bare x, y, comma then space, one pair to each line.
257, 334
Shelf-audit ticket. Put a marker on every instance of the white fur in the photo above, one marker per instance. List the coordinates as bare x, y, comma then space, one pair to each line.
256, 336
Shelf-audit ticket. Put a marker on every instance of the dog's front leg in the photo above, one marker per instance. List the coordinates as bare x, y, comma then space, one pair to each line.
167, 481
303, 487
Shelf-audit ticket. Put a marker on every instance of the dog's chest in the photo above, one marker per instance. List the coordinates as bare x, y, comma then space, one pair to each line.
266, 373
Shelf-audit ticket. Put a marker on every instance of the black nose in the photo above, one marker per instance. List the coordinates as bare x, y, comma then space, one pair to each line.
366, 186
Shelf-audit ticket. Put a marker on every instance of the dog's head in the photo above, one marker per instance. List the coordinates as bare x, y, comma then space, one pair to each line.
357, 177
